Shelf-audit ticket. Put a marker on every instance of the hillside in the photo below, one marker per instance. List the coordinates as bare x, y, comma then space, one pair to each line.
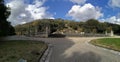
66, 26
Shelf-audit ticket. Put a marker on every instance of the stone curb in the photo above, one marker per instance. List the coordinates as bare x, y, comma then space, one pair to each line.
47, 54
112, 51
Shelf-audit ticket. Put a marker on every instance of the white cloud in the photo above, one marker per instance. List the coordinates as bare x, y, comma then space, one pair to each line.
23, 15
85, 12
114, 3
78, 1
114, 20
22, 12
23, 22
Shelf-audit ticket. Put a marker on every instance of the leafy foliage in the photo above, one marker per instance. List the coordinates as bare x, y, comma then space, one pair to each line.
90, 26
5, 27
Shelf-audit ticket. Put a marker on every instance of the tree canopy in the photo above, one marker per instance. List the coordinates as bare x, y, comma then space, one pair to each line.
90, 26
5, 26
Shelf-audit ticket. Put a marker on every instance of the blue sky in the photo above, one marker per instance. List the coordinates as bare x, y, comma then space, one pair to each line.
61, 7
78, 10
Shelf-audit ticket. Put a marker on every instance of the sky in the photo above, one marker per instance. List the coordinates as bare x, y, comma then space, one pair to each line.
23, 11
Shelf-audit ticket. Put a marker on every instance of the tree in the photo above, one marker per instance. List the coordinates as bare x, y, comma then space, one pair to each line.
101, 28
36, 25
5, 27
91, 25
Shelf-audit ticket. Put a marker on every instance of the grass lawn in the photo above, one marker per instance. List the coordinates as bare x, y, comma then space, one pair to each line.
12, 51
110, 43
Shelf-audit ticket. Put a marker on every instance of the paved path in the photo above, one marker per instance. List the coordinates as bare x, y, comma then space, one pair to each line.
78, 50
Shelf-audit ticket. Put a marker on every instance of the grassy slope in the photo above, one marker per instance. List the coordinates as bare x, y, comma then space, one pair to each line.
110, 43
12, 51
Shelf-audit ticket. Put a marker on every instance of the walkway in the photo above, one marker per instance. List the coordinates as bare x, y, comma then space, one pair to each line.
77, 50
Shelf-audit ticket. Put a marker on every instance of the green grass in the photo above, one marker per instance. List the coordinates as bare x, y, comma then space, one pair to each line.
12, 51
110, 43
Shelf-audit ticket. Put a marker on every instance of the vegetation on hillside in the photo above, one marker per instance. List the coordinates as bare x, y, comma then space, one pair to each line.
90, 26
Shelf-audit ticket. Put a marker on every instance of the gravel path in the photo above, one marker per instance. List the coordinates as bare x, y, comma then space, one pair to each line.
78, 50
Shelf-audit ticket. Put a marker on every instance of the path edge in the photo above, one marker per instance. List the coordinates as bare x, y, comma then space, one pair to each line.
112, 51
46, 54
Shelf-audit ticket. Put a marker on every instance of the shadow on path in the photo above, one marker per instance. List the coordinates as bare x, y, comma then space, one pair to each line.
61, 45
82, 57
61, 50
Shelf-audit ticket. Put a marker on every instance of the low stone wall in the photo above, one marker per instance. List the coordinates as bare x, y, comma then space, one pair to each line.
85, 35
41, 35
77, 35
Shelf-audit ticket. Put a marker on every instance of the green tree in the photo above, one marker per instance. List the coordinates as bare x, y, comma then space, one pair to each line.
5, 27
91, 25
101, 28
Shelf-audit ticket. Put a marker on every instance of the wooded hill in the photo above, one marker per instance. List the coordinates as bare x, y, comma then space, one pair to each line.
56, 25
